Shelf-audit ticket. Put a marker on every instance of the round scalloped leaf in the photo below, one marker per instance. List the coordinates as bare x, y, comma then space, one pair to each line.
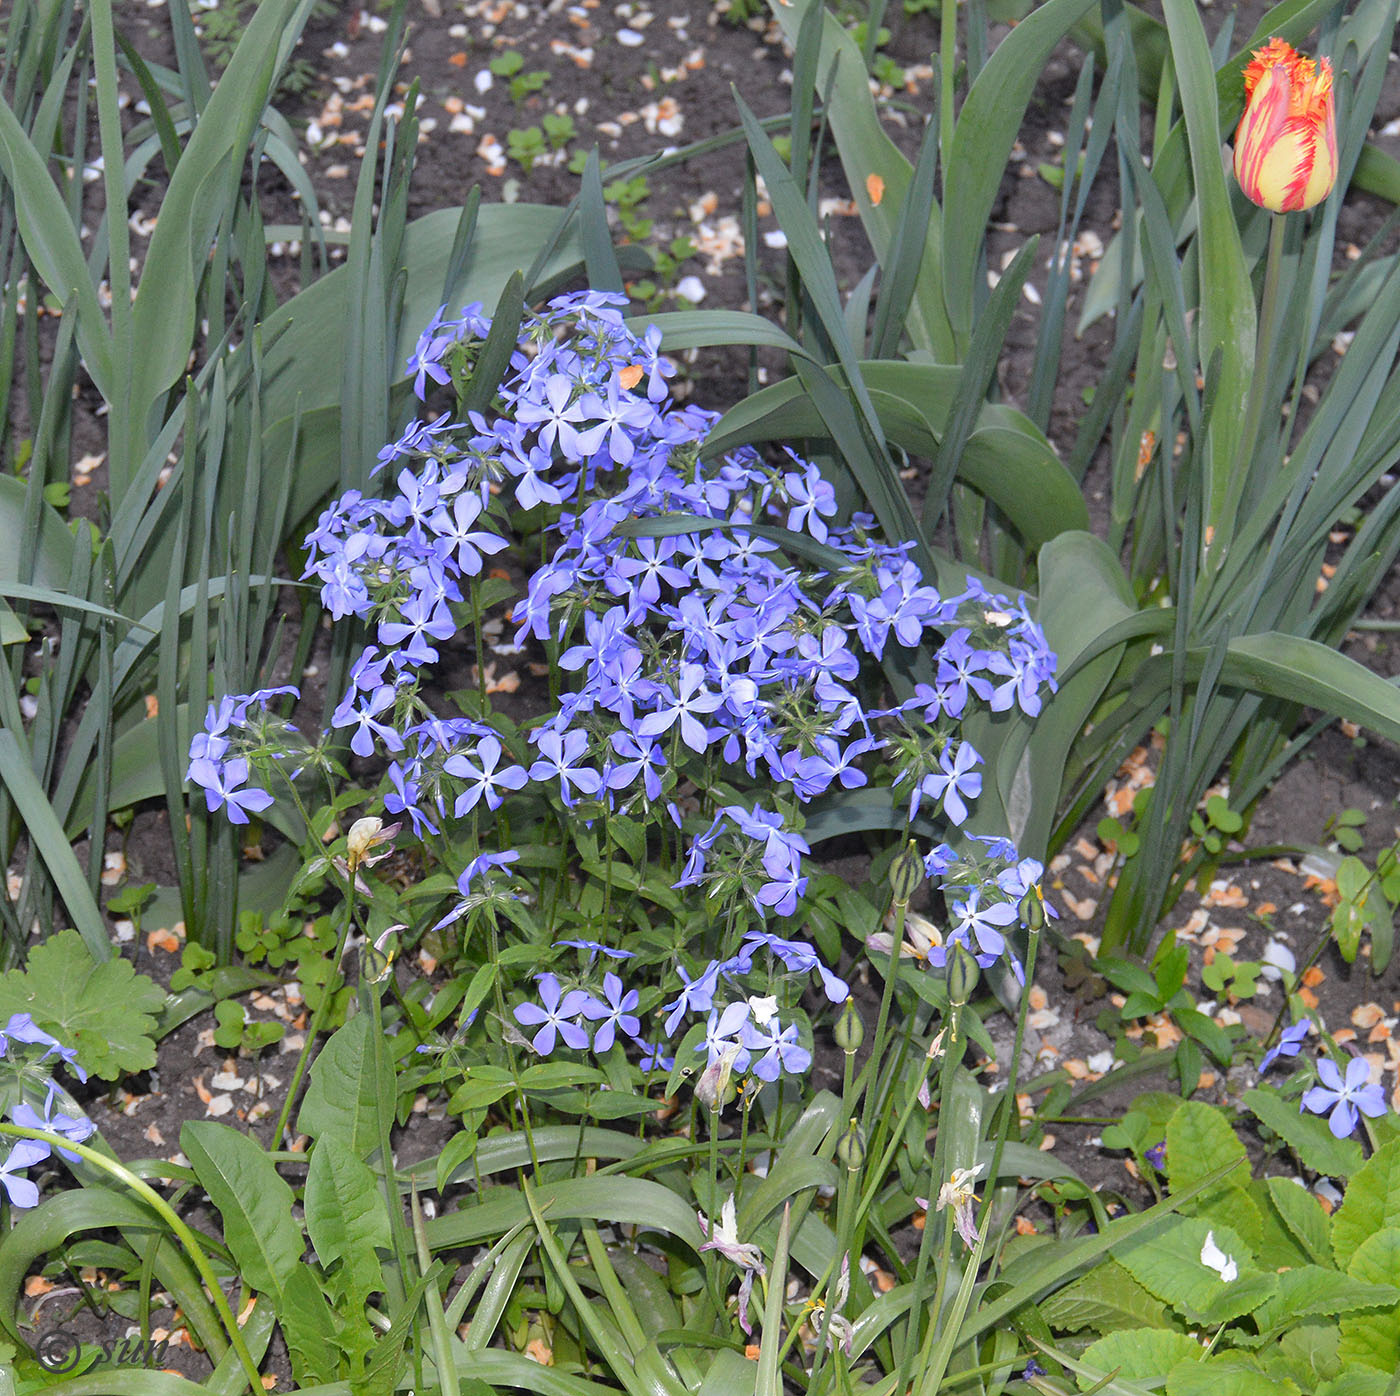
1373, 1339
107, 1011
1372, 1203
1139, 1354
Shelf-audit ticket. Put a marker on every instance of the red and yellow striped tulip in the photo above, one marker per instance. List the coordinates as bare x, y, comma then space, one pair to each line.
1286, 146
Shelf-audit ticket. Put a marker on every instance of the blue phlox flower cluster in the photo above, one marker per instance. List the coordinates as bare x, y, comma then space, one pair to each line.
237, 727
743, 1030
700, 653
750, 849
21, 1032
986, 890
586, 1019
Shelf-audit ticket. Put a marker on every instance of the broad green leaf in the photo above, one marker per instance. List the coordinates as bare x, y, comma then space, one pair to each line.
1307, 1354
1371, 1204
1222, 1375
1359, 1381
707, 329
1083, 595
865, 150
1227, 317
1304, 1217
52, 545
987, 128
1304, 671
1166, 1260
1139, 1354
1106, 1299
1307, 1135
52, 243
309, 1328
346, 1219
1314, 1290
351, 1095
1373, 1339
638, 1201
47, 836
163, 311
252, 1199
1006, 457
106, 1010
1199, 1141
49, 1227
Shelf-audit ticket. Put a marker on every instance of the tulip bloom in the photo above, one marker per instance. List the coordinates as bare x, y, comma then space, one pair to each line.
1286, 145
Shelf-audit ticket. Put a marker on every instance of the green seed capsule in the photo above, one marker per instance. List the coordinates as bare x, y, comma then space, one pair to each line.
906, 874
850, 1030
850, 1148
963, 975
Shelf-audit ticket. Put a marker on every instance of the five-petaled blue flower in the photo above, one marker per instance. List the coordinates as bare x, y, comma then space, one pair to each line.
1347, 1099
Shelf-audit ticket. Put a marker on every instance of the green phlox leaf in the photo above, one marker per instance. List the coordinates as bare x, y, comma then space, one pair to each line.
107, 1011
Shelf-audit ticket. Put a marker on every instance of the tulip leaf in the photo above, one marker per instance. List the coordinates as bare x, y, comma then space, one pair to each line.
1227, 316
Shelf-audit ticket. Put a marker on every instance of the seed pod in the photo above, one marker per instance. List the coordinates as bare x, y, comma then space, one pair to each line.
850, 1148
906, 874
850, 1030
963, 974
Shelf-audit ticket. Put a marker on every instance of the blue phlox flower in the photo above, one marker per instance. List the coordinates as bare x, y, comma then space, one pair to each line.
1289, 1044
22, 1028
1347, 1098
77, 1128
613, 1012
426, 360
811, 497
782, 1053
980, 923
781, 893
421, 617
364, 716
484, 775
26, 1152
224, 788
635, 758
723, 1036
960, 669
560, 755
681, 705
404, 797
697, 996
797, 956
596, 948
454, 527
555, 1015
616, 414
557, 419
954, 783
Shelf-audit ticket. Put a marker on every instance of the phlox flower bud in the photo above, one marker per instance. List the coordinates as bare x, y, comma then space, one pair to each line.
1286, 145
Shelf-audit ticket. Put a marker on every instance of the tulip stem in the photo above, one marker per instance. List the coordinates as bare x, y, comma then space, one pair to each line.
1259, 381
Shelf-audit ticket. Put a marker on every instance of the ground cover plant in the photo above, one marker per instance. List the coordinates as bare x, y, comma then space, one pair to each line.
710, 1116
